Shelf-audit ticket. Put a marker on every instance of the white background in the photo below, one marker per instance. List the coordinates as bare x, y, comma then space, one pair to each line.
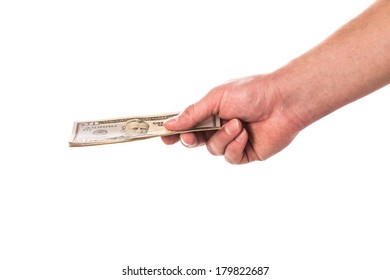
318, 210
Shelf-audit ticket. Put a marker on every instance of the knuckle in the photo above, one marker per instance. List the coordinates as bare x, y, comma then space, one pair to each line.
187, 114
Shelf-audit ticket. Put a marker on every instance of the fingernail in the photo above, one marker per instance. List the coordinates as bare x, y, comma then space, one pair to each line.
241, 136
232, 127
184, 142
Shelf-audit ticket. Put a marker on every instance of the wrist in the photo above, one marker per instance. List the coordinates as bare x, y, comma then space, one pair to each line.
307, 91
295, 97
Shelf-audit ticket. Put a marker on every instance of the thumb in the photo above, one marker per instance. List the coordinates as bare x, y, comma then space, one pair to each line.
195, 113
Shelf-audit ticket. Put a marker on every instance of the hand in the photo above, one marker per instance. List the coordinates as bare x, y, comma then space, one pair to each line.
256, 122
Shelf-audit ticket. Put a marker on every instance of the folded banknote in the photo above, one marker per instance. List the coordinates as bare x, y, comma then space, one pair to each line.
111, 131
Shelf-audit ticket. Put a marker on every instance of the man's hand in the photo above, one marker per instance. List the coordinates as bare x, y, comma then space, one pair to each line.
256, 123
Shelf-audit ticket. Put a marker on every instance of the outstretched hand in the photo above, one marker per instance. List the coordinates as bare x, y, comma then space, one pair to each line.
256, 124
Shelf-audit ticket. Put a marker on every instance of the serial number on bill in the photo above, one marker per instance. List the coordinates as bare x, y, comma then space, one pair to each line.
242, 270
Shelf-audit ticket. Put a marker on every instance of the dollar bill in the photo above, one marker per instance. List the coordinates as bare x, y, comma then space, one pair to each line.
111, 131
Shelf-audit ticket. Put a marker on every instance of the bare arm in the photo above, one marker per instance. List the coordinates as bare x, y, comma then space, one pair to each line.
350, 64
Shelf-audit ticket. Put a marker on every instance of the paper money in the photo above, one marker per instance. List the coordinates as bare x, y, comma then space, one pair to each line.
111, 131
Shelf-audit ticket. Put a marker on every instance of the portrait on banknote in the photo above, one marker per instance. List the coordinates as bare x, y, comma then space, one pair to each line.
135, 127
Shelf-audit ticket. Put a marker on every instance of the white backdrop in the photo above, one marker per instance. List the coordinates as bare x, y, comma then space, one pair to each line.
317, 210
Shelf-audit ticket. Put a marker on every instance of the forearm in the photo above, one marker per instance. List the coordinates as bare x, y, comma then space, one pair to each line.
350, 64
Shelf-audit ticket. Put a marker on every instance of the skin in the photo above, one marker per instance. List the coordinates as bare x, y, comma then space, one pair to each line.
262, 114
